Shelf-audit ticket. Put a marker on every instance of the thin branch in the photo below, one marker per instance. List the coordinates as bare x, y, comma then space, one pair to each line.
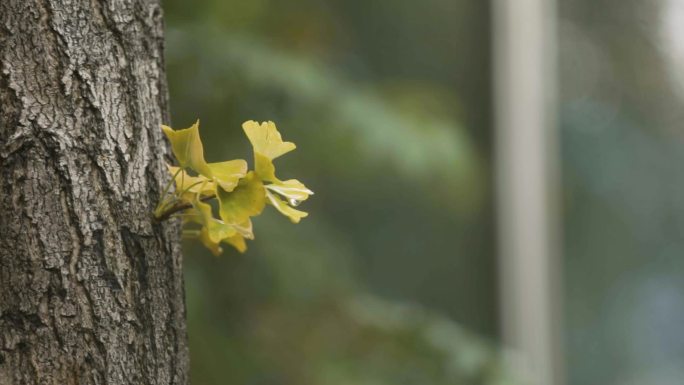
179, 207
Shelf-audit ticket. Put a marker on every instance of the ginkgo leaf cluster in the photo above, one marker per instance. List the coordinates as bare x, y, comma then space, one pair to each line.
240, 194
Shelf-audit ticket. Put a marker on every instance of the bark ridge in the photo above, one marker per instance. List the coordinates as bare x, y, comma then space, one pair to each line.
91, 289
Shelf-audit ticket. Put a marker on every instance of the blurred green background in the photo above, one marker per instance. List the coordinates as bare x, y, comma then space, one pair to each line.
391, 279
621, 71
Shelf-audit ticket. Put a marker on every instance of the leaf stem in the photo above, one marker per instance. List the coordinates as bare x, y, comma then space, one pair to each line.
168, 185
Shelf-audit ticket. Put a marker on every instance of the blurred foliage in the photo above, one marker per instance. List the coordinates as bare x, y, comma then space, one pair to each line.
420, 144
298, 317
386, 101
623, 150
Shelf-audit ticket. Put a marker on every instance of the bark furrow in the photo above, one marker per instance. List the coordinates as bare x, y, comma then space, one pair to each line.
91, 289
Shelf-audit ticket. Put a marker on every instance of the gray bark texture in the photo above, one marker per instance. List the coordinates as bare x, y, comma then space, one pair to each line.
91, 289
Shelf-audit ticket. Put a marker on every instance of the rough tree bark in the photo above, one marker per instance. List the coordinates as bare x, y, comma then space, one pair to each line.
90, 288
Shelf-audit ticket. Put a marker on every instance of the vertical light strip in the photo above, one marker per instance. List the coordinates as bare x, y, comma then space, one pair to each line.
526, 165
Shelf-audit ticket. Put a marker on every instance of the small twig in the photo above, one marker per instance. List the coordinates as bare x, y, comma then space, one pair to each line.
179, 207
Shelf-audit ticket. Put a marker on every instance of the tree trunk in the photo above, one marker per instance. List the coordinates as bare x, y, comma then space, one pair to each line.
91, 289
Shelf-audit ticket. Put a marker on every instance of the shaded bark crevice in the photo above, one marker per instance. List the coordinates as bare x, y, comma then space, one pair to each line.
91, 289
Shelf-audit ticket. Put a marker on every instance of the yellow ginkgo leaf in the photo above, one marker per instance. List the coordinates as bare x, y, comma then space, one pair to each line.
210, 239
266, 139
264, 168
245, 229
292, 189
294, 214
191, 185
246, 200
238, 242
188, 149
209, 243
228, 174
217, 230
240, 194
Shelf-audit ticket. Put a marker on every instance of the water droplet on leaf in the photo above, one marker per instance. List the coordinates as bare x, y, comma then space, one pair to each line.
294, 202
